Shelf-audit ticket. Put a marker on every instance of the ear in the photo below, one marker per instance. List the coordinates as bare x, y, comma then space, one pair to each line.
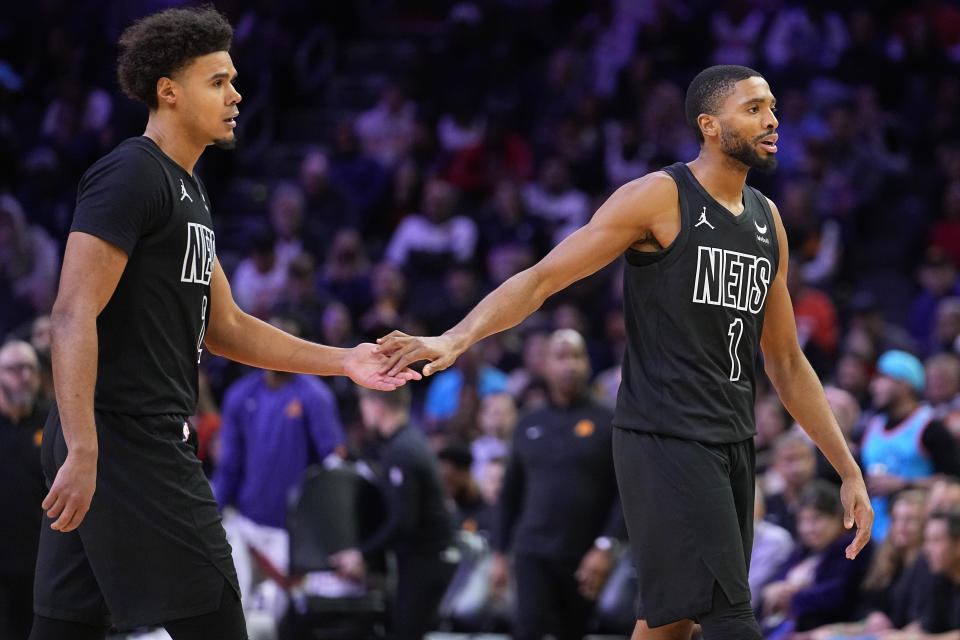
166, 91
709, 125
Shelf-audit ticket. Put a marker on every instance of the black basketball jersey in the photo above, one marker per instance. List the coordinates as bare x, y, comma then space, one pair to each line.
151, 332
694, 315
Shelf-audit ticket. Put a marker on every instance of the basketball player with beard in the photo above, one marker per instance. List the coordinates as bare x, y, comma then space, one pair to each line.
705, 287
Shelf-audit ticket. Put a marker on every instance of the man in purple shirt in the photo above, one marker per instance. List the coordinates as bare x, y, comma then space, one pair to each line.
275, 424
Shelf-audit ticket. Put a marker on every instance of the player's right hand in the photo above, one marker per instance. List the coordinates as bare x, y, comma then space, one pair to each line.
403, 350
69, 498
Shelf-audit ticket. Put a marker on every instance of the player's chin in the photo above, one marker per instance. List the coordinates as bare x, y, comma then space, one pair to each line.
226, 142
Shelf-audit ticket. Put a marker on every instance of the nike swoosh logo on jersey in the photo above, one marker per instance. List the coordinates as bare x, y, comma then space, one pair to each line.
760, 230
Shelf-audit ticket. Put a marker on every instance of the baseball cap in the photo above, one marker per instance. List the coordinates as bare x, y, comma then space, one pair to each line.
902, 366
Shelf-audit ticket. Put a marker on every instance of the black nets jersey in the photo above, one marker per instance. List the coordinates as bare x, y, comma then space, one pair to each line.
151, 332
694, 318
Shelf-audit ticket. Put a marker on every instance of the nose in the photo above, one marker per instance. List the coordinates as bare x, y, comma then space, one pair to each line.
236, 96
772, 121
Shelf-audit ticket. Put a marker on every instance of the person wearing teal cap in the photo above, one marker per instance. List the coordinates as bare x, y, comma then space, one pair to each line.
903, 444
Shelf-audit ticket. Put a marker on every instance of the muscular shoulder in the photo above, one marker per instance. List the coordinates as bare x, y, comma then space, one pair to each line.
656, 188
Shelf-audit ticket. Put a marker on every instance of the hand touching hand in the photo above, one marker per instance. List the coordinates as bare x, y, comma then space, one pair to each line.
403, 350
366, 366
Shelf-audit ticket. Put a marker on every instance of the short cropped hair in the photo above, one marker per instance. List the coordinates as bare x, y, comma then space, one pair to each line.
161, 44
823, 497
709, 89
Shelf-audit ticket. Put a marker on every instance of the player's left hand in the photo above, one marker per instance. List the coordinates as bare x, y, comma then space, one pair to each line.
593, 572
364, 366
856, 510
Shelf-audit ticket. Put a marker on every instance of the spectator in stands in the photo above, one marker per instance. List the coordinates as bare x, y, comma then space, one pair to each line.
903, 443
386, 130
22, 414
502, 154
942, 389
817, 584
938, 279
29, 264
468, 509
772, 545
497, 420
357, 175
554, 200
346, 272
260, 278
286, 217
793, 469
772, 422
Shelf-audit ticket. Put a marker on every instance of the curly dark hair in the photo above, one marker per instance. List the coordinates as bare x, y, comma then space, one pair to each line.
165, 42
710, 88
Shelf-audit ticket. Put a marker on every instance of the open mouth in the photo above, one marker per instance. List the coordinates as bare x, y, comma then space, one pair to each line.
231, 122
769, 143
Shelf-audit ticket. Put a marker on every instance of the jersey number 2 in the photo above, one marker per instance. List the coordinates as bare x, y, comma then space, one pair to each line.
735, 332
203, 328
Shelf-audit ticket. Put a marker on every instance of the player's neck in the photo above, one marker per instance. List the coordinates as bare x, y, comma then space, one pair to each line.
173, 141
721, 176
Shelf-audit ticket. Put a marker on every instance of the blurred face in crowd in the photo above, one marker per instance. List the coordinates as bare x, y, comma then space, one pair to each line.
438, 200
942, 551
567, 366
498, 415
818, 530
205, 98
748, 125
491, 481
19, 375
40, 334
888, 392
942, 378
906, 524
796, 463
286, 211
771, 420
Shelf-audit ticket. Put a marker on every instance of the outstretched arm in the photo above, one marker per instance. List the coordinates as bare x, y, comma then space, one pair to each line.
802, 395
239, 336
631, 214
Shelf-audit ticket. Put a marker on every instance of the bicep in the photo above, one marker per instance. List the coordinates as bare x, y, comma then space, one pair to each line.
779, 337
223, 308
92, 267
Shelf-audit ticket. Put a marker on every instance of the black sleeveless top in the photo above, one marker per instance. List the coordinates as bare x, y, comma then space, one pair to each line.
694, 314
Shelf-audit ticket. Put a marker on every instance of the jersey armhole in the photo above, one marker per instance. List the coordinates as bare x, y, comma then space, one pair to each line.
765, 205
666, 255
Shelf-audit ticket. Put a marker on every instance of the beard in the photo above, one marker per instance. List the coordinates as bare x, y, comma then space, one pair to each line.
227, 144
745, 152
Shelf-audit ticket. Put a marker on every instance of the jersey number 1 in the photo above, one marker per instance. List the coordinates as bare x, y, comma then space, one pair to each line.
203, 328
735, 332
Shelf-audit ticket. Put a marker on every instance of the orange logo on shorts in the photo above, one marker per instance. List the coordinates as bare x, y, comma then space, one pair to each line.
294, 409
38, 437
584, 428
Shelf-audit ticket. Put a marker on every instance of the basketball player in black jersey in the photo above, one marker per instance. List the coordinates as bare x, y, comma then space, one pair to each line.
705, 286
134, 535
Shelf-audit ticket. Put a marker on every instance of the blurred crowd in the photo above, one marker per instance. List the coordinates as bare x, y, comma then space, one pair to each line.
398, 160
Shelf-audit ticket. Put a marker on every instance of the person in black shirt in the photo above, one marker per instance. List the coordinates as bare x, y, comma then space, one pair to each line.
136, 538
704, 288
559, 512
417, 527
21, 423
941, 610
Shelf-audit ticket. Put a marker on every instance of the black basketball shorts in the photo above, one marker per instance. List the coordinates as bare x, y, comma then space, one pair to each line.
152, 548
689, 514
